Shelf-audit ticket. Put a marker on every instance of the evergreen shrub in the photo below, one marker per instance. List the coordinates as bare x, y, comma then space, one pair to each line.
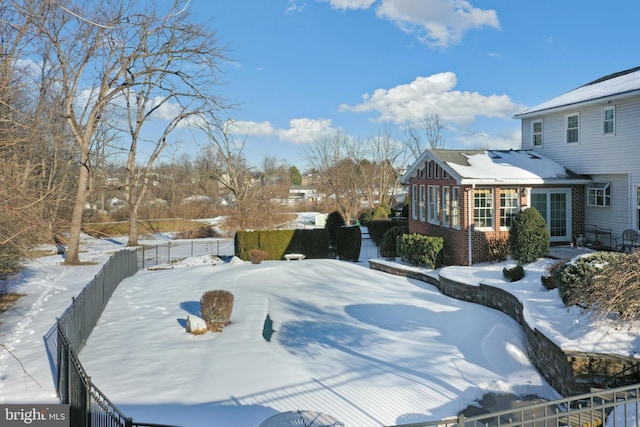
379, 228
528, 236
418, 249
513, 274
349, 242
216, 307
333, 224
388, 248
576, 278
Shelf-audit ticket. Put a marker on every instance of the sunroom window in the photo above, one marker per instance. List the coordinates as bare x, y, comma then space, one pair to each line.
599, 194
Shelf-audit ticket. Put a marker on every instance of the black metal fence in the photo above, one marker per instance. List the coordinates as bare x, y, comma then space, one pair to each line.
167, 252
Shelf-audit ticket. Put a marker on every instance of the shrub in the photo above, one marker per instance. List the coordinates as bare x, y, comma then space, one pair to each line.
513, 274
528, 236
498, 248
333, 224
418, 249
551, 278
216, 307
576, 278
388, 248
348, 243
378, 229
257, 256
617, 288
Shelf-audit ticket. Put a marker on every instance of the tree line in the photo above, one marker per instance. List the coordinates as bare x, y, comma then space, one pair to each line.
94, 96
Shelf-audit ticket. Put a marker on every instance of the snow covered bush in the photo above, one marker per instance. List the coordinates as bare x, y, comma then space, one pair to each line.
257, 256
513, 274
216, 307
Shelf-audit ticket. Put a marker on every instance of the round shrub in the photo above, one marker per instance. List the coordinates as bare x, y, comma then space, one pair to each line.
257, 256
513, 274
216, 307
418, 249
528, 236
388, 248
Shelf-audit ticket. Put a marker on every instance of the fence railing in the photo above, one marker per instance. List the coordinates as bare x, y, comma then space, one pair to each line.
586, 410
167, 252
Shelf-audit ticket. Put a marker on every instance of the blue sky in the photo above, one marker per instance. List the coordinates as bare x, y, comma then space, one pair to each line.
300, 69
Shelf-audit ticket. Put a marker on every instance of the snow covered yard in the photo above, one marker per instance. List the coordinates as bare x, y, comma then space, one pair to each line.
366, 347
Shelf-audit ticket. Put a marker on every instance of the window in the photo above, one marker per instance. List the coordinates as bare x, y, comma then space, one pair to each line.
609, 121
429, 169
446, 206
509, 206
414, 201
483, 207
599, 194
435, 170
434, 204
422, 204
572, 123
455, 207
638, 208
536, 131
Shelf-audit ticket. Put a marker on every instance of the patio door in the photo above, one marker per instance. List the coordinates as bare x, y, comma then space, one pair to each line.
555, 206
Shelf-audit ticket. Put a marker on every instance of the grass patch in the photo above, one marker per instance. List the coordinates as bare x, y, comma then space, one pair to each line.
8, 299
147, 226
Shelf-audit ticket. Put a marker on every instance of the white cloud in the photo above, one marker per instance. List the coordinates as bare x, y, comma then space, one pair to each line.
504, 140
437, 23
433, 95
300, 131
351, 4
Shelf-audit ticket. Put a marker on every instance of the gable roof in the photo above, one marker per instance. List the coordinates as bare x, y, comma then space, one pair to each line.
497, 167
622, 83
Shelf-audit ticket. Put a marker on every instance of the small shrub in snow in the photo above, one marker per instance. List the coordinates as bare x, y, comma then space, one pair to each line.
576, 278
528, 236
513, 274
498, 248
551, 278
257, 256
216, 307
418, 249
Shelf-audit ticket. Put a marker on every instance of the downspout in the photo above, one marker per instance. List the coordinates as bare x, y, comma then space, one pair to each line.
470, 224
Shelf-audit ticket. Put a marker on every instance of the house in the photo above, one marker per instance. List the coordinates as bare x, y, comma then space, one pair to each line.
579, 166
469, 197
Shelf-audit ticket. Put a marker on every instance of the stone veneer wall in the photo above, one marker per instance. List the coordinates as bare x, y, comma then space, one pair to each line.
569, 372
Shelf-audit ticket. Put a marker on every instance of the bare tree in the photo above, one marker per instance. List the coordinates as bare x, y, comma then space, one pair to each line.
381, 179
173, 69
428, 133
337, 162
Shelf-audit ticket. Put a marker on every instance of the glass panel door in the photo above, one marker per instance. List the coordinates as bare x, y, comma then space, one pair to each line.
554, 206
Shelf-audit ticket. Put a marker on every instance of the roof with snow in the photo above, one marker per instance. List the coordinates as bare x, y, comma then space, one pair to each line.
498, 167
622, 83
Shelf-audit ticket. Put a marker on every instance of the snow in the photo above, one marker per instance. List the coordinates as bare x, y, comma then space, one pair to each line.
365, 347
619, 85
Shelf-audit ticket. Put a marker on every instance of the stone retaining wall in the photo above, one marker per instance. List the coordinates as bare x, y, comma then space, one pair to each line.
570, 373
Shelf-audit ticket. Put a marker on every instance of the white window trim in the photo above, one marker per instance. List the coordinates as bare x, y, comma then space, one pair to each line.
446, 206
603, 187
566, 128
533, 134
493, 211
604, 109
455, 208
433, 206
414, 201
422, 204
516, 208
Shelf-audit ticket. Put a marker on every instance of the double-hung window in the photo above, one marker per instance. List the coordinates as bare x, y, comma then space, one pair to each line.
536, 132
572, 124
609, 121
455, 207
599, 194
434, 204
414, 201
446, 206
421, 203
483, 208
509, 206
